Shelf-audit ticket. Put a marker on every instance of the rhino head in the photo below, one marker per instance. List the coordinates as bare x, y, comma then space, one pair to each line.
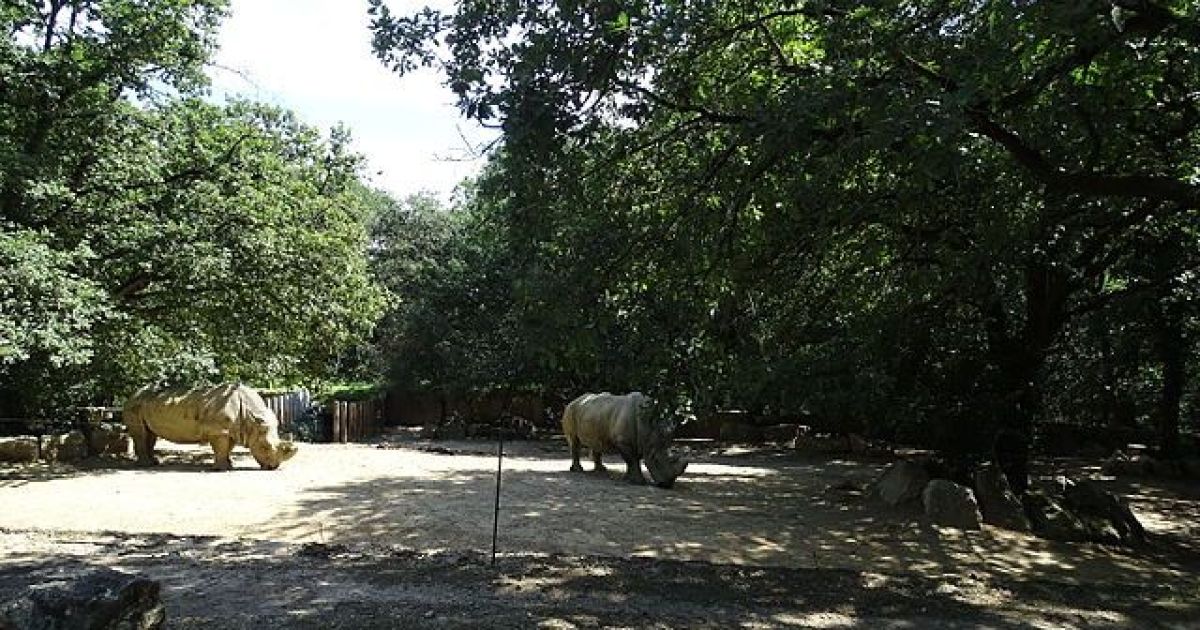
664, 466
270, 453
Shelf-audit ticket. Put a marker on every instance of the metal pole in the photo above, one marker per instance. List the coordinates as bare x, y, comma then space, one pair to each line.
499, 471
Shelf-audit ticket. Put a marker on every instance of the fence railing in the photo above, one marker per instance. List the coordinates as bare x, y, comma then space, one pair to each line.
354, 421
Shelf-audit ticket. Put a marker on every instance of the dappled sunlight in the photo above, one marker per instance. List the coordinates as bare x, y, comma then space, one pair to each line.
768, 510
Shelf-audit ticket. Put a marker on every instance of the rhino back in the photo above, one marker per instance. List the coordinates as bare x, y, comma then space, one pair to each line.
601, 420
193, 415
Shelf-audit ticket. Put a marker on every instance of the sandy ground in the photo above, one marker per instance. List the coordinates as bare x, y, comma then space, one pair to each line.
778, 515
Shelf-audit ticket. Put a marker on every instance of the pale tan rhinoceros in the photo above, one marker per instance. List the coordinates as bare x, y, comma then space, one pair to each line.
606, 423
223, 416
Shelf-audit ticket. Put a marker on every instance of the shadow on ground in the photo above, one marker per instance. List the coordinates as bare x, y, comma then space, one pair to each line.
212, 583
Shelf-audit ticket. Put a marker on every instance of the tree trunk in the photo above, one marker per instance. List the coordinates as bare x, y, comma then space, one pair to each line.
1170, 345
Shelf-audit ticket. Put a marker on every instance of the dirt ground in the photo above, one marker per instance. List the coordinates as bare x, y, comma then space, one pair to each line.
400, 534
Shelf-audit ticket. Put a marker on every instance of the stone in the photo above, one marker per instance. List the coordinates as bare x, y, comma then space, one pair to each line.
949, 504
109, 440
90, 598
998, 503
1104, 512
18, 450
779, 433
824, 443
901, 483
733, 432
452, 431
1052, 521
69, 448
1190, 467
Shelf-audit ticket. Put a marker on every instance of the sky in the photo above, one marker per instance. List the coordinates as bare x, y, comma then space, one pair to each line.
314, 58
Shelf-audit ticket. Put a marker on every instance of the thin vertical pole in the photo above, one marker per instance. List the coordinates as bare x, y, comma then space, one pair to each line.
499, 472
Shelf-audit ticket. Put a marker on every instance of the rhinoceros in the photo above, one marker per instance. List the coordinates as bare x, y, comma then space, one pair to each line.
223, 416
606, 423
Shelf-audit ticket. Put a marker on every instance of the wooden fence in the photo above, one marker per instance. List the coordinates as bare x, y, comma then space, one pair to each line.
289, 406
355, 420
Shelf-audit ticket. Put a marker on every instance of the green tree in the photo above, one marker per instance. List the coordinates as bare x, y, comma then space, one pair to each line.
893, 209
149, 235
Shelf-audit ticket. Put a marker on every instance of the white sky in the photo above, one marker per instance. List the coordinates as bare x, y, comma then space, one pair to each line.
314, 57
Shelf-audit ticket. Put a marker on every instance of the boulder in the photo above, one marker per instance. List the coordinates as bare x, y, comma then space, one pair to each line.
997, 501
949, 504
1051, 520
1138, 464
109, 440
902, 482
1105, 514
733, 432
89, 598
779, 433
68, 448
1190, 467
18, 450
825, 444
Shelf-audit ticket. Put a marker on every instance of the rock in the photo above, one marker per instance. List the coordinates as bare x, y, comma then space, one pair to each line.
1190, 468
452, 431
825, 444
18, 450
902, 482
858, 444
1116, 465
740, 433
92, 598
69, 448
1051, 520
779, 433
105, 440
1000, 506
846, 485
1103, 512
950, 505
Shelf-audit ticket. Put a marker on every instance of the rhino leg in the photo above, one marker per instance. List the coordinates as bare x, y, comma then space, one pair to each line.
633, 465
143, 444
575, 448
222, 446
598, 460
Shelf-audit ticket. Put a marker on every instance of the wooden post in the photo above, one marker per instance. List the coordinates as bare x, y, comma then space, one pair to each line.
345, 422
335, 433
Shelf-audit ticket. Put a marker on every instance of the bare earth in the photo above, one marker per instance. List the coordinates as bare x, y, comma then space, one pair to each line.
359, 536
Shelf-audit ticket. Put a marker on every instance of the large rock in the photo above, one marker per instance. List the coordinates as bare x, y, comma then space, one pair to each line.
109, 440
1103, 512
998, 503
780, 433
902, 482
92, 598
825, 444
69, 448
18, 450
733, 432
950, 505
1052, 521
1121, 465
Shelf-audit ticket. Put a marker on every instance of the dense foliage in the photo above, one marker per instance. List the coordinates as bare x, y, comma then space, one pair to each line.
147, 235
923, 218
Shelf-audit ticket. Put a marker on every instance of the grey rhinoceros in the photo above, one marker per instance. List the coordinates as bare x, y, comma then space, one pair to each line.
223, 416
627, 425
